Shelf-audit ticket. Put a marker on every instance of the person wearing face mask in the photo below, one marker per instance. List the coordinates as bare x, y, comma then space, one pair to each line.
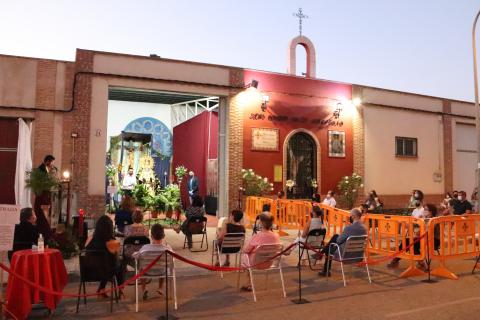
192, 186
330, 200
418, 212
373, 203
461, 205
417, 195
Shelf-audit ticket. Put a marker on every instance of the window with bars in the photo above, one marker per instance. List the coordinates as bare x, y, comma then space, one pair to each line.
406, 147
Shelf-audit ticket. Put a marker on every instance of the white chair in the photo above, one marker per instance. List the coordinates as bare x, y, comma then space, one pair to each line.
263, 259
156, 272
232, 244
353, 251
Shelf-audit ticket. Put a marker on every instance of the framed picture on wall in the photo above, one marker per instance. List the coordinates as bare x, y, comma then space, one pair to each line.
336, 144
265, 139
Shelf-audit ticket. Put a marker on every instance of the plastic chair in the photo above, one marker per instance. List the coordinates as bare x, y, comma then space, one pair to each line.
133, 244
264, 259
157, 271
232, 244
197, 226
315, 240
354, 251
96, 266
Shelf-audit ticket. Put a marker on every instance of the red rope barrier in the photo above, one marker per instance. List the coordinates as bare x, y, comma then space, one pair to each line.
145, 270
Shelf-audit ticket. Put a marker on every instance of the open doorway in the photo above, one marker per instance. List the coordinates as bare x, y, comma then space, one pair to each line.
150, 136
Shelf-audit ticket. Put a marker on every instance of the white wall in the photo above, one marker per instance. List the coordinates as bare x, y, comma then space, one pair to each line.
388, 174
121, 113
465, 157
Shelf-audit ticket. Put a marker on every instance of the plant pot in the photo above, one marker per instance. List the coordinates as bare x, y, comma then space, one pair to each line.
169, 213
154, 214
178, 213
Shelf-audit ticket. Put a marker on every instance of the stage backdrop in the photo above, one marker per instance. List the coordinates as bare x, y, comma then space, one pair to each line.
194, 142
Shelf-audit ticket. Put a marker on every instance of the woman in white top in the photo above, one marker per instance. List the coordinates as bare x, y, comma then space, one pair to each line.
330, 200
316, 222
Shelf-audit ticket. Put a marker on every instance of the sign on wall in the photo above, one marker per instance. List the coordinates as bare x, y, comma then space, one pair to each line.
9, 216
265, 139
277, 173
336, 144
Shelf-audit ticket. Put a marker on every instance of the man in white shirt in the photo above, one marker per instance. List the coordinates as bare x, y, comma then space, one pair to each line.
418, 211
129, 182
330, 200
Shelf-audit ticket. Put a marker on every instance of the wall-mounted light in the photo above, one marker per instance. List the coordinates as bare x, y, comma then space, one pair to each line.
253, 83
265, 100
357, 102
66, 175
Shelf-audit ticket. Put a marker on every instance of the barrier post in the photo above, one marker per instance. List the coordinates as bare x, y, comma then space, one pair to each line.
429, 261
300, 300
412, 270
167, 316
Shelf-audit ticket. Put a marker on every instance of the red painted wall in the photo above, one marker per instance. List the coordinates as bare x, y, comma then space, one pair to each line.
190, 148
300, 98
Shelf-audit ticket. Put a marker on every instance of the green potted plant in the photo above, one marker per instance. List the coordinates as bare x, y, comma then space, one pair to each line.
40, 181
156, 204
170, 197
349, 187
141, 194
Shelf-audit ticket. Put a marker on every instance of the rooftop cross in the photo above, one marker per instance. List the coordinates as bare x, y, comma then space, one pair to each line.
300, 17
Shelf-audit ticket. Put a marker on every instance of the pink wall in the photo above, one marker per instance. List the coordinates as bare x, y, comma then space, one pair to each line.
307, 100
190, 144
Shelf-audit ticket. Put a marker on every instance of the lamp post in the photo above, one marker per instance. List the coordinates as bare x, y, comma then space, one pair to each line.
66, 179
477, 109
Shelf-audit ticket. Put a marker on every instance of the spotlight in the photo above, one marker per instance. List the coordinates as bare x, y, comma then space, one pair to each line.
357, 101
253, 84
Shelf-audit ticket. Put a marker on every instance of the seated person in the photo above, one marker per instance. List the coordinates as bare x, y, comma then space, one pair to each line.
196, 210
461, 204
137, 228
103, 240
258, 226
26, 232
157, 245
234, 225
264, 236
429, 211
123, 215
355, 229
316, 222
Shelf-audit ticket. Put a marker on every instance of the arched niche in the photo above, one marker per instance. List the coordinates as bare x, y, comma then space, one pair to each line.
292, 56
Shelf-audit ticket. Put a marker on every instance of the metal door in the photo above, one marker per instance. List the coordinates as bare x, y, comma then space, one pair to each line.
301, 165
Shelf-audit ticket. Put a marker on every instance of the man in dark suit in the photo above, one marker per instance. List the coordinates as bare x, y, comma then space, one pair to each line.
47, 164
26, 232
355, 229
192, 186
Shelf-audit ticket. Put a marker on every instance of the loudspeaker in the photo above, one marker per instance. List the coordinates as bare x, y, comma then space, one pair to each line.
211, 205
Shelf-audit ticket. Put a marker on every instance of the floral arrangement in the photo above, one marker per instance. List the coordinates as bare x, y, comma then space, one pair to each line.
290, 184
255, 185
110, 170
314, 184
349, 187
180, 172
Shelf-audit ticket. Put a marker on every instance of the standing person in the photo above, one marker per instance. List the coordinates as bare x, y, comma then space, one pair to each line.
47, 165
418, 212
129, 182
474, 199
461, 204
355, 229
330, 200
103, 240
192, 186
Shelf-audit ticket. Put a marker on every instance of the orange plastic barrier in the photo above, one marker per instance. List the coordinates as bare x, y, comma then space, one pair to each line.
293, 214
386, 233
457, 237
334, 219
253, 207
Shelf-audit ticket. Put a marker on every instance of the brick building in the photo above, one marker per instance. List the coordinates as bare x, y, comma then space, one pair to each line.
398, 141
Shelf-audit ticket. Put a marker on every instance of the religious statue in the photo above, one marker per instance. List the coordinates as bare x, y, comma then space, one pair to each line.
146, 172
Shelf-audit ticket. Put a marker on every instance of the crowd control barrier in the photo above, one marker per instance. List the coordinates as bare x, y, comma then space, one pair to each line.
292, 214
253, 207
397, 236
457, 238
334, 219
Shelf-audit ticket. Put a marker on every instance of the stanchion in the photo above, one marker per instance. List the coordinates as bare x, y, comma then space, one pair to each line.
167, 316
300, 300
429, 262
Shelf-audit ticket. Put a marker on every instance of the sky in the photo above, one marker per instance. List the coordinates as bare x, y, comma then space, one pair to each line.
420, 46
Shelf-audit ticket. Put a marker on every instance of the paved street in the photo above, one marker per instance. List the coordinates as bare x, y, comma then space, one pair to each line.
204, 295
